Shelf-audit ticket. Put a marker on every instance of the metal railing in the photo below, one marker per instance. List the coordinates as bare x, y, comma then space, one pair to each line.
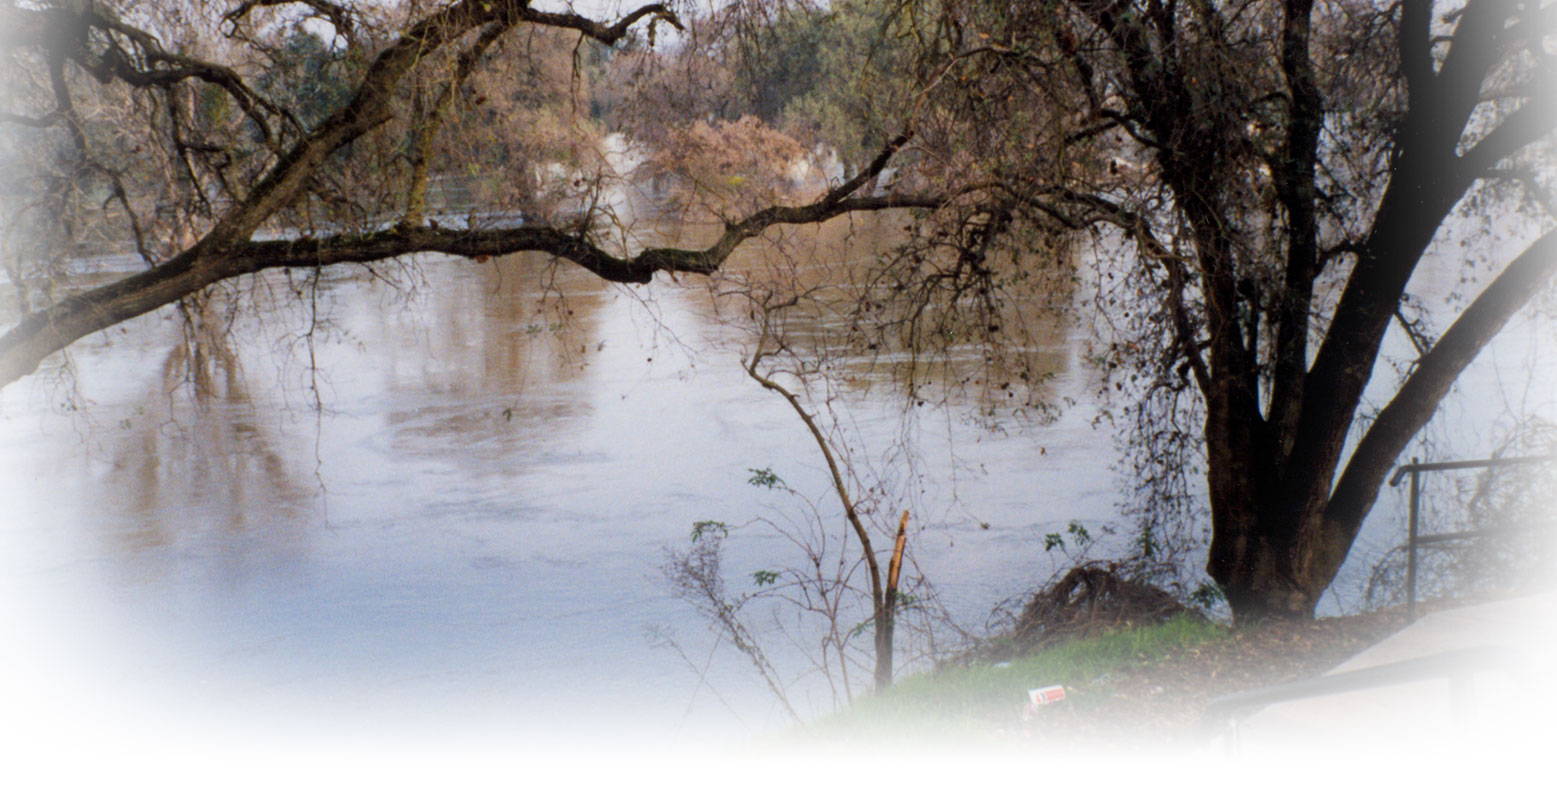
1414, 539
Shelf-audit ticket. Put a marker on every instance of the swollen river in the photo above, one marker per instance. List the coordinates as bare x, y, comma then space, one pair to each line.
431, 509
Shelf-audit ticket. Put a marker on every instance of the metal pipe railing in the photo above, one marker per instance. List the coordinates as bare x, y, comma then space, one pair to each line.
1413, 538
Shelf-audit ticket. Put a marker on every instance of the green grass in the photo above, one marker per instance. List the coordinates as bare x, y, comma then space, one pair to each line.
975, 697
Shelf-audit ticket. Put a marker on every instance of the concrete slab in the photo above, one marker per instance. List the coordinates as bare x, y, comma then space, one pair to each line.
1500, 711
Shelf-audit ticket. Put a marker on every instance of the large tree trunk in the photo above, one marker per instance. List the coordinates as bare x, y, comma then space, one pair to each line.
1277, 569
1275, 557
1261, 555
1255, 571
1286, 505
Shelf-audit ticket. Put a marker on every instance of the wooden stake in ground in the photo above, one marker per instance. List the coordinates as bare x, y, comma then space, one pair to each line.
886, 613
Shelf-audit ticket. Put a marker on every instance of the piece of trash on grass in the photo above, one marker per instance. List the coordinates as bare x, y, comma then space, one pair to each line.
1045, 695
1038, 697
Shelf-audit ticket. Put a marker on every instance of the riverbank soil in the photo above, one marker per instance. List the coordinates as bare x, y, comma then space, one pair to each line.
1162, 702
1140, 687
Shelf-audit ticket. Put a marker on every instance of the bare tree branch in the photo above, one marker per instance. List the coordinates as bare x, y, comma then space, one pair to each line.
605, 34
338, 15
424, 133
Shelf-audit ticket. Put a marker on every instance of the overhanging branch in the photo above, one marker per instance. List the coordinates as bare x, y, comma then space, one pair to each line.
605, 34
47, 331
637, 269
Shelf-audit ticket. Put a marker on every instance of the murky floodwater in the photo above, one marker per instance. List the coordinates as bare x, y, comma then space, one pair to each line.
456, 521
472, 528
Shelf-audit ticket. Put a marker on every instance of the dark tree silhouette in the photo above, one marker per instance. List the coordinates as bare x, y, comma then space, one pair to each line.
1268, 149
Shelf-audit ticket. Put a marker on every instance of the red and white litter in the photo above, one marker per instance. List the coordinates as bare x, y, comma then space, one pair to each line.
1038, 697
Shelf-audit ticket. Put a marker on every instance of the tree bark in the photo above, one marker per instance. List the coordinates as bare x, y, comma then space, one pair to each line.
1260, 573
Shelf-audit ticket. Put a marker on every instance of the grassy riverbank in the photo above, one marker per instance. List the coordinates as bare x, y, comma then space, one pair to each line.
1130, 685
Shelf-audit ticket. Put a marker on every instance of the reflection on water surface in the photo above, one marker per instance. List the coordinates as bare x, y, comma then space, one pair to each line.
470, 528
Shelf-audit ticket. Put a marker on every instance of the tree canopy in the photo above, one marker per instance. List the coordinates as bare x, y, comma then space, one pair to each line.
154, 125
